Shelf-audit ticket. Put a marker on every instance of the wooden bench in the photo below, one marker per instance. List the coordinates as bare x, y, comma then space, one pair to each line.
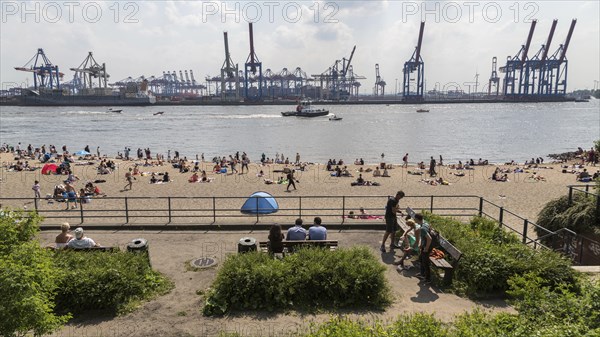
290, 246
443, 263
94, 249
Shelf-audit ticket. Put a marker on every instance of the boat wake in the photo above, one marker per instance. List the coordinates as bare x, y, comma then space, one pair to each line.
255, 116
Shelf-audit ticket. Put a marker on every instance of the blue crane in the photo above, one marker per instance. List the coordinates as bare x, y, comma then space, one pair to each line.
45, 74
414, 65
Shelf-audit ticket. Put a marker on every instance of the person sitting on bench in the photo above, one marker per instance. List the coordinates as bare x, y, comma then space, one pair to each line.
80, 241
317, 232
296, 233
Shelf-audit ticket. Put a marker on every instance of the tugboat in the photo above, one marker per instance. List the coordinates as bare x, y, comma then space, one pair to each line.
305, 109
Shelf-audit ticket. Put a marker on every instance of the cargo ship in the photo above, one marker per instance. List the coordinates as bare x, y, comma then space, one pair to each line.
86, 97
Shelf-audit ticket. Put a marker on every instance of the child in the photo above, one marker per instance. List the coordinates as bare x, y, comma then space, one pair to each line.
36, 189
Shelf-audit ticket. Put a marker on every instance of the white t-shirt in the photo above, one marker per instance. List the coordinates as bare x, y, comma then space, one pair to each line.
81, 243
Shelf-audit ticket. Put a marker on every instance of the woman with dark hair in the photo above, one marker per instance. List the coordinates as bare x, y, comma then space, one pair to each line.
275, 239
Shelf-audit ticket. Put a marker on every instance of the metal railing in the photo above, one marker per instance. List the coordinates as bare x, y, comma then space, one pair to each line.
333, 209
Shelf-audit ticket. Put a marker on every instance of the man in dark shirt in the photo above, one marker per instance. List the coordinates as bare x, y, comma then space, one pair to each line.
391, 221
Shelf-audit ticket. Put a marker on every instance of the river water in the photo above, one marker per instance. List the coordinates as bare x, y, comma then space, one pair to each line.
497, 132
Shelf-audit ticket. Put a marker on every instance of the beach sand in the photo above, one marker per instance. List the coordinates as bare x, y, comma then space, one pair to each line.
178, 313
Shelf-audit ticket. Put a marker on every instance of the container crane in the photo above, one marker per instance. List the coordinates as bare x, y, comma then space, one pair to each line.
89, 70
514, 68
415, 64
335, 79
379, 82
558, 64
494, 79
253, 65
543, 87
230, 80
45, 74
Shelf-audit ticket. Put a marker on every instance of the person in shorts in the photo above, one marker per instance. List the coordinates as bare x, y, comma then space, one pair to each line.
391, 220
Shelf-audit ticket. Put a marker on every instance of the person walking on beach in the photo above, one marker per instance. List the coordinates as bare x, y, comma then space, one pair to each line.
98, 151
297, 158
129, 178
405, 160
391, 220
36, 189
432, 172
291, 182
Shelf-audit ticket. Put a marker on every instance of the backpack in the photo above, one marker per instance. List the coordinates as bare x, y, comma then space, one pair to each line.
435, 237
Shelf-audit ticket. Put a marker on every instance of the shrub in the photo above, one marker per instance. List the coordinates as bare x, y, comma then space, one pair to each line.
490, 257
105, 281
580, 216
310, 278
16, 228
28, 279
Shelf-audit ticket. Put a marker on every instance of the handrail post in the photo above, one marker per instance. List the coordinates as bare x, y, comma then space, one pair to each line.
431, 205
343, 208
587, 188
581, 251
480, 206
169, 204
525, 225
35, 203
501, 217
300, 207
81, 209
126, 211
214, 210
257, 219
570, 195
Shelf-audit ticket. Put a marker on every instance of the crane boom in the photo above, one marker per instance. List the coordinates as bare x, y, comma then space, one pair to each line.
251, 42
349, 61
228, 64
419, 43
528, 44
549, 41
566, 45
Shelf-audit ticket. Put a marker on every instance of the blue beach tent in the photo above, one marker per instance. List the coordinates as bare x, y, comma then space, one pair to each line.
260, 203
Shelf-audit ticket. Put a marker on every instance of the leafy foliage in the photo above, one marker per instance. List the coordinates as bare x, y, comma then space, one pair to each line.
105, 281
491, 257
310, 278
580, 216
28, 280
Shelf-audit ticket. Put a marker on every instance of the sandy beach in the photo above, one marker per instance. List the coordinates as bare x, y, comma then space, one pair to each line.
178, 313
521, 195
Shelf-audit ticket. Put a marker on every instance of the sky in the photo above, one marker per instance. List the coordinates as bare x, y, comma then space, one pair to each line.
137, 38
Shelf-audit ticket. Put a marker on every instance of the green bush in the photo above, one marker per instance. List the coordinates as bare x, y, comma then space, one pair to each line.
108, 281
28, 280
491, 257
580, 216
17, 227
310, 278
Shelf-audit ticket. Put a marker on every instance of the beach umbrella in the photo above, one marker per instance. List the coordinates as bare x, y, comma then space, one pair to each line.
260, 203
82, 153
49, 168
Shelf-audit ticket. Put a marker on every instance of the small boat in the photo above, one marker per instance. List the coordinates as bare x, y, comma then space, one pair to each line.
335, 118
158, 113
422, 110
118, 111
305, 109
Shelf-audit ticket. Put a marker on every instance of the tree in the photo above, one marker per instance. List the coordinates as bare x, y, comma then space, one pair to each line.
27, 279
